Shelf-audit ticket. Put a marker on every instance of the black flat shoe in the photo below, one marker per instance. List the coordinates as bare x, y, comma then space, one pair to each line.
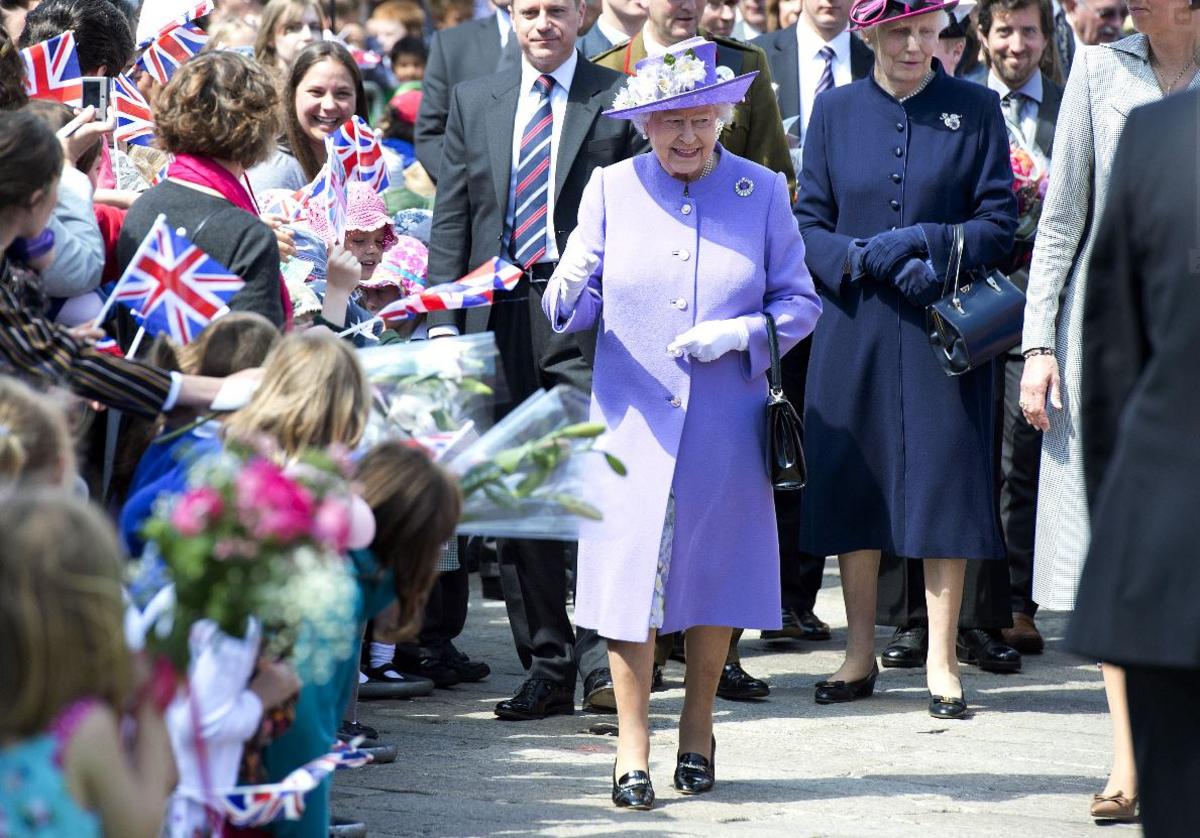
907, 648
695, 774
941, 707
737, 684
633, 791
839, 692
986, 649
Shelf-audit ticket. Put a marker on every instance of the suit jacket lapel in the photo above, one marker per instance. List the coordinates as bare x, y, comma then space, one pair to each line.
502, 113
1047, 116
789, 79
584, 102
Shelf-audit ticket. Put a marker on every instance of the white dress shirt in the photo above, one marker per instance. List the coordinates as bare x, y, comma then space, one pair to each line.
1032, 90
527, 105
613, 34
812, 65
505, 24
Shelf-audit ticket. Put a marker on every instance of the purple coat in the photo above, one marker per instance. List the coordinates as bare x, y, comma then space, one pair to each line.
668, 262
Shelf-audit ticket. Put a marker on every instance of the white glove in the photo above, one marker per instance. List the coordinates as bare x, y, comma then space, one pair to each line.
710, 340
574, 269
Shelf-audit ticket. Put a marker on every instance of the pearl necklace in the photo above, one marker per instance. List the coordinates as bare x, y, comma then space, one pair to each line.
924, 84
709, 165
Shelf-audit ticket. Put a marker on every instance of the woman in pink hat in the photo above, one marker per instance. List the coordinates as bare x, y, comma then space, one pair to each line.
678, 256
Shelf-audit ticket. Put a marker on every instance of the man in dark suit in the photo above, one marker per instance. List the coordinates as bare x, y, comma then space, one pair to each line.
619, 21
520, 146
1014, 34
815, 53
1138, 593
468, 51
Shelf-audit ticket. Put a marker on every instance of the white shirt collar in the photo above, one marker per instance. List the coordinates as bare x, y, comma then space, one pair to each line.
653, 47
615, 36
810, 43
562, 75
505, 25
1031, 89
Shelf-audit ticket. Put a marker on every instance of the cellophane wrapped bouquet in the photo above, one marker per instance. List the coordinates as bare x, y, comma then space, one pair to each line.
1031, 177
251, 537
439, 393
526, 477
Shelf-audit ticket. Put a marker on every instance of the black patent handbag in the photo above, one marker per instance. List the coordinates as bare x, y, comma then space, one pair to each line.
785, 428
973, 323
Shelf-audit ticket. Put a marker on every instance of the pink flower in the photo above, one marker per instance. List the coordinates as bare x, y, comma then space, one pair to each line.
331, 524
271, 505
195, 510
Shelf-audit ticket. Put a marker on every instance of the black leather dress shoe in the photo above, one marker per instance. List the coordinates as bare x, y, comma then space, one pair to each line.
633, 791
656, 682
943, 707
695, 773
798, 625
839, 692
537, 699
598, 695
469, 671
737, 684
986, 649
908, 648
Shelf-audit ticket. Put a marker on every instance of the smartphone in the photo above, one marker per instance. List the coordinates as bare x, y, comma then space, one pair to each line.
95, 94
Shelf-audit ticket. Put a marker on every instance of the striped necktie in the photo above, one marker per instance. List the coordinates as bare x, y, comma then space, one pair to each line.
533, 180
826, 80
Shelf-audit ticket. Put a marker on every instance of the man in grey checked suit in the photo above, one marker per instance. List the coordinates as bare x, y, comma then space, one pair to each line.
519, 147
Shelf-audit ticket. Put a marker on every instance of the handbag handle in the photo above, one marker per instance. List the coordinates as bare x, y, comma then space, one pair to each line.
954, 266
775, 373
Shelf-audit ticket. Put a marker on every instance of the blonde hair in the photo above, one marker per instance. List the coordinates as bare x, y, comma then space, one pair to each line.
313, 394
277, 14
35, 444
61, 613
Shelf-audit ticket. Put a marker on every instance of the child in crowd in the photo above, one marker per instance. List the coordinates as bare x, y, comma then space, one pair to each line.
235, 33
392, 21
447, 13
35, 445
402, 273
409, 56
67, 766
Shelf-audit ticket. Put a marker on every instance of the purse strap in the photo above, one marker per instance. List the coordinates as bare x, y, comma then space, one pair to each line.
775, 373
954, 266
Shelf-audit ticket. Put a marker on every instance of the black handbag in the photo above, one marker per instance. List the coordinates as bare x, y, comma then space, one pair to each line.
785, 428
973, 323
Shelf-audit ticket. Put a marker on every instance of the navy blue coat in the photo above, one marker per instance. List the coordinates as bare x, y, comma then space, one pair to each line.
899, 454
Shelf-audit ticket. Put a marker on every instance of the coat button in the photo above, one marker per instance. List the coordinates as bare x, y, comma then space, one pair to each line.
894, 204
899, 152
686, 209
683, 255
896, 177
680, 303
675, 402
899, 126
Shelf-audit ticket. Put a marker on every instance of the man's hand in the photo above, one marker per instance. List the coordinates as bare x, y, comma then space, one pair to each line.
1040, 375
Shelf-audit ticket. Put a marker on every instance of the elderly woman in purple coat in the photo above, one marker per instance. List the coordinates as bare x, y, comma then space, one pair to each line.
678, 255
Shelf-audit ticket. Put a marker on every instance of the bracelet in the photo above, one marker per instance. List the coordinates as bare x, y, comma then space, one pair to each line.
1040, 350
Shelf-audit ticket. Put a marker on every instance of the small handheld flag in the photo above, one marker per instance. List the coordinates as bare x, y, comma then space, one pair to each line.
170, 50
52, 70
135, 122
361, 153
187, 15
478, 288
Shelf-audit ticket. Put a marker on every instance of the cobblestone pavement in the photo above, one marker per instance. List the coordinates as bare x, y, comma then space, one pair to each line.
1026, 763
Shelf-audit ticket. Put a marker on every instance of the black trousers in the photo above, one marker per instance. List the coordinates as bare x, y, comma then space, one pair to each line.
533, 573
901, 602
1166, 746
446, 608
1020, 461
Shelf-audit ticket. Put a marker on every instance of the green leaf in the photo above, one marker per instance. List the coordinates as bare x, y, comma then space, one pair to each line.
531, 482
476, 387
582, 430
510, 459
616, 465
577, 507
500, 496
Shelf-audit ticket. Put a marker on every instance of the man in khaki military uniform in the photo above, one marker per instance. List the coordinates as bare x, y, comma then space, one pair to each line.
756, 131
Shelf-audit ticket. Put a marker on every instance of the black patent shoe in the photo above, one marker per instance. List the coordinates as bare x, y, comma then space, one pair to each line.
986, 649
737, 684
943, 707
839, 692
907, 648
537, 699
633, 791
695, 774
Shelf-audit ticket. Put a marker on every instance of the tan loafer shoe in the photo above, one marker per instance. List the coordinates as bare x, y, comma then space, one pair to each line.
1024, 635
1115, 807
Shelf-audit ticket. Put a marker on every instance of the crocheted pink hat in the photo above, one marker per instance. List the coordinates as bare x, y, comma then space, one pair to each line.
365, 212
404, 266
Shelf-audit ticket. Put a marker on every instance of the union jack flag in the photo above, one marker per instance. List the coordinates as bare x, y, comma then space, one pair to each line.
199, 10
108, 346
254, 806
135, 122
361, 153
174, 286
52, 70
478, 288
169, 50
326, 196
282, 202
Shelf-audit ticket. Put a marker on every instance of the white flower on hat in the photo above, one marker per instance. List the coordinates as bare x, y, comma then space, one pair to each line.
675, 74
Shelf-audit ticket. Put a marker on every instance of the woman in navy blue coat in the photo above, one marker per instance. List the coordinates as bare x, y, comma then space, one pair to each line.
900, 454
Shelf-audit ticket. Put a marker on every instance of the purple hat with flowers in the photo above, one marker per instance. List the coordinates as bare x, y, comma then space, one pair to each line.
685, 76
867, 13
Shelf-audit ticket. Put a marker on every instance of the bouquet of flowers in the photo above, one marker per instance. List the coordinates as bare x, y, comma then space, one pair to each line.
439, 393
1031, 177
525, 477
250, 538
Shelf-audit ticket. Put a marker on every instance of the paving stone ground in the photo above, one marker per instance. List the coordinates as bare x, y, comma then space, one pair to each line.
1024, 765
